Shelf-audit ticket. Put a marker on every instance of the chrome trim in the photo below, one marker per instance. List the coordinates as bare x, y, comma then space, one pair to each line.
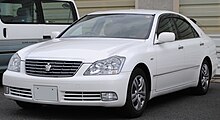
57, 69
81, 96
20, 92
197, 66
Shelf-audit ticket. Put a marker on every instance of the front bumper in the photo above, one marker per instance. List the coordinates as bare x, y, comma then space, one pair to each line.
84, 90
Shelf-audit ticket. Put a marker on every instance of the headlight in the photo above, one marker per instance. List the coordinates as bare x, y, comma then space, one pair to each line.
14, 63
109, 66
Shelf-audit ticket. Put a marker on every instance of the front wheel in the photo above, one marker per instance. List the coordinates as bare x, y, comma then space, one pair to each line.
137, 94
204, 80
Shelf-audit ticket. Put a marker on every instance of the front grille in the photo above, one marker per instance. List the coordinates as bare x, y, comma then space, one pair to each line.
52, 68
82, 96
21, 92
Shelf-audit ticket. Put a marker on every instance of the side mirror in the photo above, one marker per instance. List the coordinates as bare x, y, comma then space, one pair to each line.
166, 37
54, 34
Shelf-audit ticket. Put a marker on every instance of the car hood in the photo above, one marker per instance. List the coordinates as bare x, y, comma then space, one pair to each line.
82, 49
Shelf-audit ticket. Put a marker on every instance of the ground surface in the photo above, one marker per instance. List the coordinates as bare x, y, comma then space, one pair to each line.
176, 106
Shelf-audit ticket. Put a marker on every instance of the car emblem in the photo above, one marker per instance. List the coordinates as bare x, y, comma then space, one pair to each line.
48, 67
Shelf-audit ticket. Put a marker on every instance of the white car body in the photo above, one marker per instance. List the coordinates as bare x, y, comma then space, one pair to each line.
170, 69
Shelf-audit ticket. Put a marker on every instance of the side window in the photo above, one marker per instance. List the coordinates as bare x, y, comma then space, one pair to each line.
56, 12
166, 25
18, 11
185, 30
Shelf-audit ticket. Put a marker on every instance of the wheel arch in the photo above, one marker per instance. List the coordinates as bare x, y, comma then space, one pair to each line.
209, 62
147, 73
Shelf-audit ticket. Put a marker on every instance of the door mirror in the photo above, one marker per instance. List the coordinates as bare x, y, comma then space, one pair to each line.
166, 37
55, 34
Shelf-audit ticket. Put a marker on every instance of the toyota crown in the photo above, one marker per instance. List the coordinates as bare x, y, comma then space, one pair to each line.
117, 59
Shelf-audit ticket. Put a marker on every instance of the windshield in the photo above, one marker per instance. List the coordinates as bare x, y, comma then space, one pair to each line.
134, 26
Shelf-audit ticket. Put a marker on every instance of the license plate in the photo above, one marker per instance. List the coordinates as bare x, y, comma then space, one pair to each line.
45, 93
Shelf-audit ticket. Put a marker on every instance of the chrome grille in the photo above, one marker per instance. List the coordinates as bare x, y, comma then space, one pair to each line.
82, 96
21, 92
52, 68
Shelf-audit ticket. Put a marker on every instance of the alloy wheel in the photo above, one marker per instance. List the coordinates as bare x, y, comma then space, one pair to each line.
138, 92
205, 76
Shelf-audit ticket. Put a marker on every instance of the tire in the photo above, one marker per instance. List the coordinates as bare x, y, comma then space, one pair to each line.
1, 77
137, 94
204, 80
25, 105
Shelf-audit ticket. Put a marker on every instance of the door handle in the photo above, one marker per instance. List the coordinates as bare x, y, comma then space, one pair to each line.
180, 47
4, 32
201, 44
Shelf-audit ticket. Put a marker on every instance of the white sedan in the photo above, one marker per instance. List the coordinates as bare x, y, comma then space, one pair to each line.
113, 59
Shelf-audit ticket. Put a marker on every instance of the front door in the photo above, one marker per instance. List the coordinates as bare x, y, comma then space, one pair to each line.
170, 58
170, 65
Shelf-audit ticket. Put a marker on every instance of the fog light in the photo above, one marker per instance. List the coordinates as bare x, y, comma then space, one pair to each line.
6, 90
109, 96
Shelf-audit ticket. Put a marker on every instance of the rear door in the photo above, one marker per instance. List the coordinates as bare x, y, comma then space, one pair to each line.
193, 46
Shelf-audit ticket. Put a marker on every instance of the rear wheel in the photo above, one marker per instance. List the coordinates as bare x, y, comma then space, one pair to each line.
204, 79
137, 94
26, 105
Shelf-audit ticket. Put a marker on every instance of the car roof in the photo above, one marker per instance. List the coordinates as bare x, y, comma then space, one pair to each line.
132, 11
